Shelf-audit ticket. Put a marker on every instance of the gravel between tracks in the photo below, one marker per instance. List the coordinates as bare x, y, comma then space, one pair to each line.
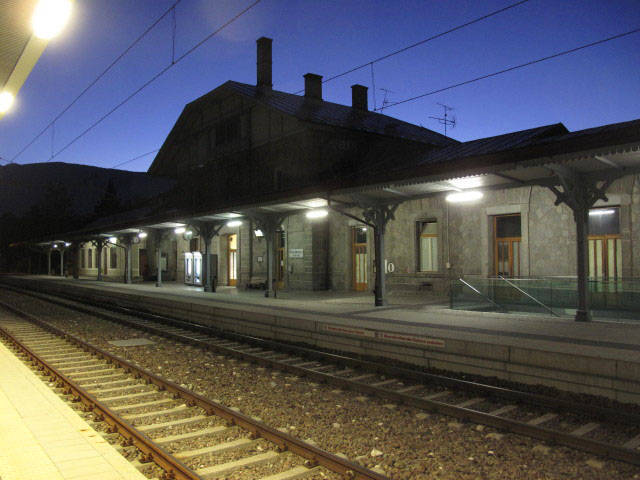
395, 438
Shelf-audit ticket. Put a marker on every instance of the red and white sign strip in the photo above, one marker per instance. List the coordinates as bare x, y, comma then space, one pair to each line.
360, 332
415, 340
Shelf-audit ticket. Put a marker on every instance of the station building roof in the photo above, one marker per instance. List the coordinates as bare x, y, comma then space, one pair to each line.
337, 115
511, 160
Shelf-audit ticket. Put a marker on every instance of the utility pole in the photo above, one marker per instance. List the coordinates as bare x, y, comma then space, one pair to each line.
446, 120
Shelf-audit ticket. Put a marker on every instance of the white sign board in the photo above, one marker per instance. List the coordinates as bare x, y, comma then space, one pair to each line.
296, 253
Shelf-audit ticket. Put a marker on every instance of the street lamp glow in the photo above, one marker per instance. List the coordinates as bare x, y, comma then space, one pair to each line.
67, 244
317, 213
6, 100
50, 17
142, 235
113, 240
464, 196
234, 223
179, 230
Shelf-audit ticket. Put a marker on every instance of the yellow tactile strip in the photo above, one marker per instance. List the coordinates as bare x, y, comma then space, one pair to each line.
42, 438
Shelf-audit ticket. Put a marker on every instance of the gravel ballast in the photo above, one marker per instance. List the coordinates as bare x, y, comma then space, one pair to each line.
404, 442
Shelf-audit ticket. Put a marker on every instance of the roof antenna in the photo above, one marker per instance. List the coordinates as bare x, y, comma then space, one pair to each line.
385, 102
447, 120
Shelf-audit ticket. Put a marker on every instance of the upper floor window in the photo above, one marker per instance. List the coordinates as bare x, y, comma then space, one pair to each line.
228, 131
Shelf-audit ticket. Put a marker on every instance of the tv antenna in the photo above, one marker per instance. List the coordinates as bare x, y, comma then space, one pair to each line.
446, 120
385, 102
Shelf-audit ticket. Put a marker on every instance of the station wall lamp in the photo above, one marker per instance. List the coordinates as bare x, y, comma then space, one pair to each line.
464, 196
317, 213
234, 223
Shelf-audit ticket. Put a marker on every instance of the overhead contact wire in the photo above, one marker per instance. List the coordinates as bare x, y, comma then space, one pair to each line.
154, 78
510, 69
421, 42
135, 42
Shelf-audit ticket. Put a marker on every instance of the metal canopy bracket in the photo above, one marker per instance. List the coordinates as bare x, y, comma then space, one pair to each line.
579, 193
377, 216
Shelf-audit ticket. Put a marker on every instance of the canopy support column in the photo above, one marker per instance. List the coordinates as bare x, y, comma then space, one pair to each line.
269, 224
377, 216
580, 193
99, 243
207, 230
158, 236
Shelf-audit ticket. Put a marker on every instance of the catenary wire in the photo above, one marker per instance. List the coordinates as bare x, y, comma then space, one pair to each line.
532, 62
136, 158
135, 42
154, 78
421, 42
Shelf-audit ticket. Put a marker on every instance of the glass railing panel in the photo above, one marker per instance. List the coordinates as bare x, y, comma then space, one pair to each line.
475, 294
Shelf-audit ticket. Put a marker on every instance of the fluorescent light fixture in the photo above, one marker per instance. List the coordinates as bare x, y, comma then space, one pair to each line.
6, 100
66, 244
50, 17
113, 240
602, 211
258, 232
317, 213
179, 230
464, 196
142, 235
234, 223
464, 183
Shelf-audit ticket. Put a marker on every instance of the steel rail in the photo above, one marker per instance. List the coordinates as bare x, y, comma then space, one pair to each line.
152, 452
556, 404
314, 455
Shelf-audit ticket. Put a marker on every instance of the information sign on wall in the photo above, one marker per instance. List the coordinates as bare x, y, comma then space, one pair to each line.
296, 253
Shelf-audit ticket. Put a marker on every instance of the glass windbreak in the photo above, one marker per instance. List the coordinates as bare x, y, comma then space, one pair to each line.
609, 299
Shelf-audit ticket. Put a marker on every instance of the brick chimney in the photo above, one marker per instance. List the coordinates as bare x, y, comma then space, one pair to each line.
359, 99
313, 86
264, 65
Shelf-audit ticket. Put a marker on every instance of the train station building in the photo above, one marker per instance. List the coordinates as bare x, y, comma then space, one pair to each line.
291, 192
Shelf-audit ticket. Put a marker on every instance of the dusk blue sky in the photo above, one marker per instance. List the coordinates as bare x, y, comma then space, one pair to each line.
596, 86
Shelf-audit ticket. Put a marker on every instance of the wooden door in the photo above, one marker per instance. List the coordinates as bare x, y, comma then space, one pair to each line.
506, 245
233, 260
360, 260
280, 258
605, 260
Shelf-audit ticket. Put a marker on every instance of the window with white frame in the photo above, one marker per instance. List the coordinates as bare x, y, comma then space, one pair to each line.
428, 246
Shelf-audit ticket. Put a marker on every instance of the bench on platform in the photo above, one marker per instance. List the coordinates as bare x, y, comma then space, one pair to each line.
257, 282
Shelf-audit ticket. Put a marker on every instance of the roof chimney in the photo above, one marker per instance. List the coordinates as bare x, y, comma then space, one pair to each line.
264, 64
313, 86
359, 98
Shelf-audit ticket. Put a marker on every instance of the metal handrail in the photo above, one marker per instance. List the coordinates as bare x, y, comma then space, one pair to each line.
532, 298
483, 295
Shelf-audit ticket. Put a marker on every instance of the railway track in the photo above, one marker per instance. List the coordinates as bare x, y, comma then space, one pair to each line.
156, 416
601, 431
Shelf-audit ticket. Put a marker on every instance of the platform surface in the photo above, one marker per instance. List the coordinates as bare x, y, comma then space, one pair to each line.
42, 438
417, 315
